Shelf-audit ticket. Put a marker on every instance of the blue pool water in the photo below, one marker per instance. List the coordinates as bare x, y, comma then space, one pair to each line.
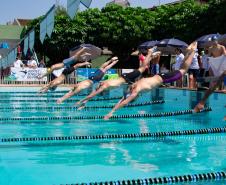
84, 161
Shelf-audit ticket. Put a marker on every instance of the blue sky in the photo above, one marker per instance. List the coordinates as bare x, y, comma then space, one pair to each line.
29, 9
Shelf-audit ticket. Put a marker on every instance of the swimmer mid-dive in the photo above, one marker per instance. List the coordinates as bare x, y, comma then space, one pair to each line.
94, 78
78, 57
146, 84
128, 78
60, 79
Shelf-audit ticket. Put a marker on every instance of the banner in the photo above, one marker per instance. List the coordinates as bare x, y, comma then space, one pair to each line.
43, 30
26, 74
31, 39
26, 45
86, 3
50, 21
83, 74
72, 7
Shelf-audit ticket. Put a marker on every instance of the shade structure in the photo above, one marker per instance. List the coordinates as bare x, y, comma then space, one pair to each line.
92, 50
173, 43
206, 40
148, 44
167, 46
222, 39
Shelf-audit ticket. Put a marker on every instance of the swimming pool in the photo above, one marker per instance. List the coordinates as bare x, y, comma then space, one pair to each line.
45, 143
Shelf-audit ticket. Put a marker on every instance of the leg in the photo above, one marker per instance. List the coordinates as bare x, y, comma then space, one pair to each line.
188, 58
59, 80
52, 68
201, 104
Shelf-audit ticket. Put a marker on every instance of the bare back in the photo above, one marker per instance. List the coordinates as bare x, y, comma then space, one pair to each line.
145, 84
217, 51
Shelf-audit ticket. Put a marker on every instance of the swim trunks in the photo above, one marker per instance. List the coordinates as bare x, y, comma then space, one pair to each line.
68, 71
130, 78
171, 76
97, 76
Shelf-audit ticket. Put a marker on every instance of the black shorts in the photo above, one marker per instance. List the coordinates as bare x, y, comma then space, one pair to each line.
68, 71
131, 77
194, 72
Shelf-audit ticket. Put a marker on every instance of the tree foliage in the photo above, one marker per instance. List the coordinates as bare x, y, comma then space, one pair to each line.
122, 29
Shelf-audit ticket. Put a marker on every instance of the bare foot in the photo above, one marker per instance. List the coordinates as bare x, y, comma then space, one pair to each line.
199, 107
224, 118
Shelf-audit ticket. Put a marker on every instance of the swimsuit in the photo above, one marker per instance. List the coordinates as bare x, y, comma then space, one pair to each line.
131, 77
97, 76
171, 76
68, 71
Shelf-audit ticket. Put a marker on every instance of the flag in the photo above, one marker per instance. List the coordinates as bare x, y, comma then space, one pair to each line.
86, 3
43, 30
50, 21
26, 45
72, 7
31, 39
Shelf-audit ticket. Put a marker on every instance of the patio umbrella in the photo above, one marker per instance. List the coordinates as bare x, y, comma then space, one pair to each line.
222, 39
148, 44
92, 50
206, 40
167, 46
173, 43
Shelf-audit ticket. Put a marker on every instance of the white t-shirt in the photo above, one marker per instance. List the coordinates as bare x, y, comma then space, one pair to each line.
195, 63
18, 64
205, 62
32, 62
179, 60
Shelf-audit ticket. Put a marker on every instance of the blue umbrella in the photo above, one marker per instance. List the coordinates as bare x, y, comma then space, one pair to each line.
205, 40
172, 43
148, 44
222, 39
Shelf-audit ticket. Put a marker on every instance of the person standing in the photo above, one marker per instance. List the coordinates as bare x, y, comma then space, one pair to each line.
178, 62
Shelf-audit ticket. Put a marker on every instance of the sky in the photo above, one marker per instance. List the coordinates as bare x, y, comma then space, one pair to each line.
30, 9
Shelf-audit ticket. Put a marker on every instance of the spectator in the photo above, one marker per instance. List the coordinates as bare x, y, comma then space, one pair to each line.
42, 63
163, 69
155, 69
142, 56
193, 71
178, 62
31, 63
18, 63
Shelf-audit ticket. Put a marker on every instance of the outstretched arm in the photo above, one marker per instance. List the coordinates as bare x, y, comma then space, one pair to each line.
121, 104
202, 103
81, 64
66, 96
110, 65
91, 95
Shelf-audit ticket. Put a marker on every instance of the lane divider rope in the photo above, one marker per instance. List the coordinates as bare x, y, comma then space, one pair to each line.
116, 136
61, 118
216, 176
54, 100
75, 108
